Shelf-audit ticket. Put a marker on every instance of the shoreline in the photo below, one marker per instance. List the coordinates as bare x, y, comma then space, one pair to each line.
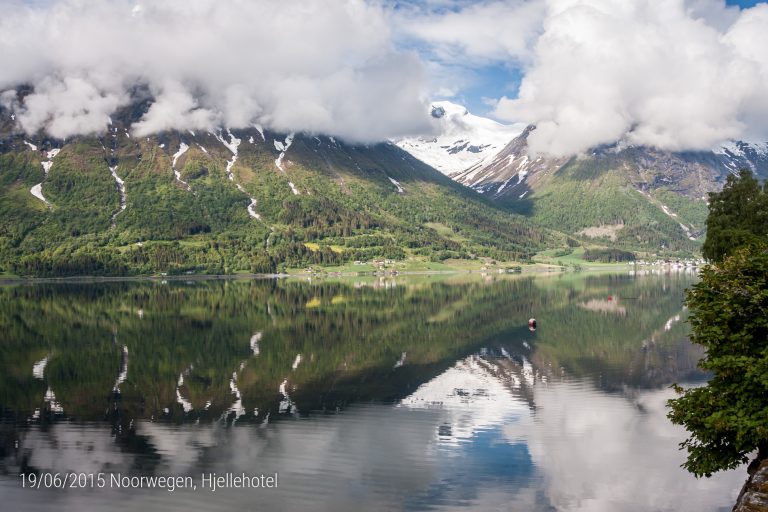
532, 269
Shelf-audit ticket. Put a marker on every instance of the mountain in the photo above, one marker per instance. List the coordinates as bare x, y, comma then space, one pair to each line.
233, 200
462, 139
229, 201
691, 174
637, 198
627, 196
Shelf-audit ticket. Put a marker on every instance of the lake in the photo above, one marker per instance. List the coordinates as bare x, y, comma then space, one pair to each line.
405, 393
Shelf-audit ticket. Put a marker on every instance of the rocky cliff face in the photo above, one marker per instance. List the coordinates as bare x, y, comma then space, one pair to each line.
691, 174
754, 495
509, 173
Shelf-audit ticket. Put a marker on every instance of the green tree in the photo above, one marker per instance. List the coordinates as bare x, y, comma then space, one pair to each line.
738, 215
728, 418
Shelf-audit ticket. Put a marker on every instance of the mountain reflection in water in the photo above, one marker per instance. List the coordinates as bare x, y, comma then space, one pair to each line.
415, 393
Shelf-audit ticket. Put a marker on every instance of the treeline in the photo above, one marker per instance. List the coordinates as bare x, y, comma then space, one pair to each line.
177, 257
608, 255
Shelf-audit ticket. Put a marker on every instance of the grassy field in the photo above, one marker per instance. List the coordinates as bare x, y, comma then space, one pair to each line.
422, 265
412, 265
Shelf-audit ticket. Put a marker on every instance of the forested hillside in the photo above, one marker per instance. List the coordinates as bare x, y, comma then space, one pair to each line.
245, 200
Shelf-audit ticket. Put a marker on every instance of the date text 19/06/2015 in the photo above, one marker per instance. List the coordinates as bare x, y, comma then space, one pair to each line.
208, 481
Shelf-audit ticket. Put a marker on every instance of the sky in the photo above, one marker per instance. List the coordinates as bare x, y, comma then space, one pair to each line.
744, 3
674, 74
494, 80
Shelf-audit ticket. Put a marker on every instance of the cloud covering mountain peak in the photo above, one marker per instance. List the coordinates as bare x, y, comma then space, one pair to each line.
305, 65
674, 75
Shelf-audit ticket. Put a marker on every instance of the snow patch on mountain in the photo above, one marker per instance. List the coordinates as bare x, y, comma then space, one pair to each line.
252, 206
504, 185
37, 190
183, 148
260, 129
120, 188
232, 146
396, 183
282, 147
252, 209
463, 139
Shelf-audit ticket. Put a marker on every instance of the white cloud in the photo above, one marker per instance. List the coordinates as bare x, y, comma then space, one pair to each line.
713, 12
175, 108
479, 32
679, 74
649, 73
600, 452
458, 39
68, 106
328, 67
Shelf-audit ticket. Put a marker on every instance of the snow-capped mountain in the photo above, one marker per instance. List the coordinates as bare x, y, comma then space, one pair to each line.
619, 194
737, 155
504, 174
692, 173
622, 194
493, 158
463, 139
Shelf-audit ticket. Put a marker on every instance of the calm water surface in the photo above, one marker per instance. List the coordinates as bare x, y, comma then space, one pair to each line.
399, 394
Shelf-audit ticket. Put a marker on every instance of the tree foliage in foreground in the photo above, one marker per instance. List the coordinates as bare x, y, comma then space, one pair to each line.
738, 215
728, 418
